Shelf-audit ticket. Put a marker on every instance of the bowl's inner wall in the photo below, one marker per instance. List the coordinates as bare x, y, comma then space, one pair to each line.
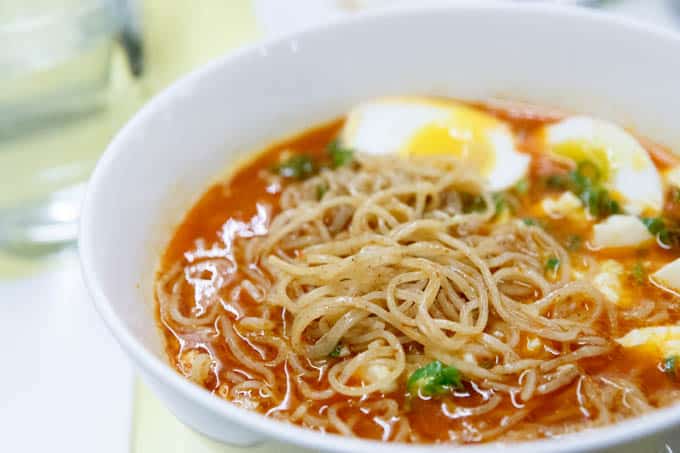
186, 138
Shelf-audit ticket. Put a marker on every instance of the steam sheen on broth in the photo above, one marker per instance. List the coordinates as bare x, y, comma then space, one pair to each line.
395, 297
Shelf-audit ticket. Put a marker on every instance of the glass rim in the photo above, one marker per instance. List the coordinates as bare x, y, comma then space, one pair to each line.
92, 9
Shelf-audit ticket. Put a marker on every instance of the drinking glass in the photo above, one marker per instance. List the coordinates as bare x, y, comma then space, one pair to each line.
65, 88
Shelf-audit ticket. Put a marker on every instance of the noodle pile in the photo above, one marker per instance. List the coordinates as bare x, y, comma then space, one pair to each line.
370, 271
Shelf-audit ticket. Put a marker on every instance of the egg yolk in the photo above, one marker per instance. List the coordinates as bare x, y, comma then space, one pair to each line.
580, 151
465, 134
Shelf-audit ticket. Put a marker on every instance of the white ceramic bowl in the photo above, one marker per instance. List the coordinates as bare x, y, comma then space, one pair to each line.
185, 138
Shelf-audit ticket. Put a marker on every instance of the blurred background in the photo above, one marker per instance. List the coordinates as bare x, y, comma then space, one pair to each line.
71, 73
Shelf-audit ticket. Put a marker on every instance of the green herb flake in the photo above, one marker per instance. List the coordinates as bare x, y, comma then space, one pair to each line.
552, 264
670, 366
668, 234
639, 273
528, 221
339, 154
598, 202
499, 202
655, 225
522, 186
609, 206
584, 181
589, 171
574, 242
336, 351
321, 190
434, 379
297, 166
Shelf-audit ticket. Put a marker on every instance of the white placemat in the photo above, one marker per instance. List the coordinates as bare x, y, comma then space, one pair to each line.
66, 385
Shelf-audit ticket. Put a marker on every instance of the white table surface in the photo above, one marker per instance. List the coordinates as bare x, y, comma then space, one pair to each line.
65, 386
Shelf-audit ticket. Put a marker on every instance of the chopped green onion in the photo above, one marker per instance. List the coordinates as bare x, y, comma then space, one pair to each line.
584, 181
552, 264
609, 206
336, 351
522, 186
298, 166
339, 154
477, 203
574, 242
588, 170
638, 273
655, 225
598, 201
499, 202
321, 190
577, 181
528, 221
433, 379
667, 235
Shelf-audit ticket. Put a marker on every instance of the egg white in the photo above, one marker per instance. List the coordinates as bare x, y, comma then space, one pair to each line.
668, 277
390, 126
661, 341
628, 169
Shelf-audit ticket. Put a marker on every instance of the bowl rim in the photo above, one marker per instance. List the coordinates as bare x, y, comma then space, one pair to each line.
152, 365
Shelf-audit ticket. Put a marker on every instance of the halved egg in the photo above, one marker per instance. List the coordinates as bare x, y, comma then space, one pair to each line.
414, 126
625, 167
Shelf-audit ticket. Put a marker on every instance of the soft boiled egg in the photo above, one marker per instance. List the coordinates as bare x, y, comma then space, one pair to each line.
413, 126
625, 167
